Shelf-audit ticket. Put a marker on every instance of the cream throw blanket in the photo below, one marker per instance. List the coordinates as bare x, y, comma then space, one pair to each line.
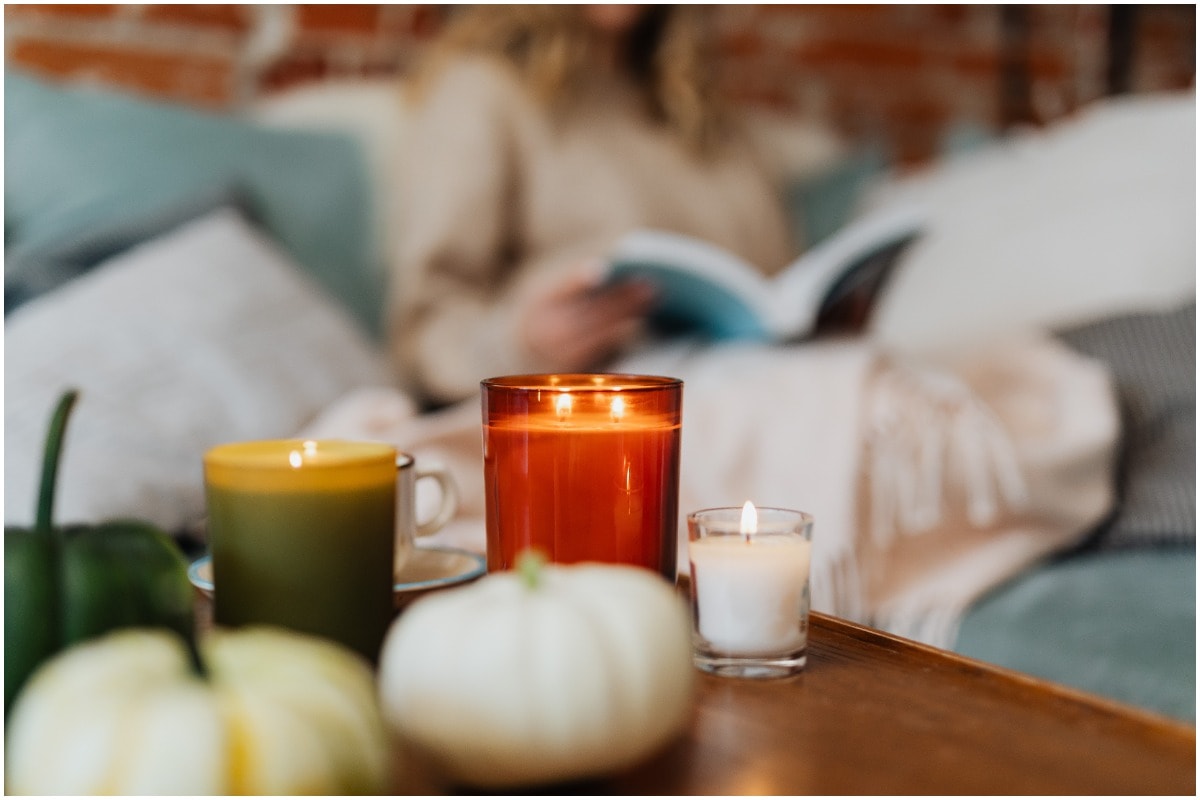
929, 485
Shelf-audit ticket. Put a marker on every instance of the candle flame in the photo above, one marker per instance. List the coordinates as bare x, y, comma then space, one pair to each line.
749, 520
563, 405
618, 409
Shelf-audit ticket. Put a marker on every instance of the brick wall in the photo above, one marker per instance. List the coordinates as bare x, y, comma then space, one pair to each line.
899, 75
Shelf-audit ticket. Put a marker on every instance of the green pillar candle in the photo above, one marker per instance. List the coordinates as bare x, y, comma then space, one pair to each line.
302, 535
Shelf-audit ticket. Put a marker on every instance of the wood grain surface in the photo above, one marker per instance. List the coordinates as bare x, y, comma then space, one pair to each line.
874, 714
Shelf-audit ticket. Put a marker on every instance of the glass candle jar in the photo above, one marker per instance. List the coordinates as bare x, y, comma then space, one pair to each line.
583, 467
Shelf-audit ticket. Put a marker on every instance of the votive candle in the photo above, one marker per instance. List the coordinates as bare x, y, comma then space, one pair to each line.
750, 588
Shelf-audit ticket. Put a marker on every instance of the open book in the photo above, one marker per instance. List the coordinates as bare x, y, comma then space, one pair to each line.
707, 291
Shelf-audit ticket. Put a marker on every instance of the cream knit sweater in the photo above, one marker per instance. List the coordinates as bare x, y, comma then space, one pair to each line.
500, 197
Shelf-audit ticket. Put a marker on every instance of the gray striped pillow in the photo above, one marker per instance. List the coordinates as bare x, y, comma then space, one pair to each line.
1153, 360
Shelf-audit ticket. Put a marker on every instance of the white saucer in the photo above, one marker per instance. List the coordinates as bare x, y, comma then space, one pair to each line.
427, 568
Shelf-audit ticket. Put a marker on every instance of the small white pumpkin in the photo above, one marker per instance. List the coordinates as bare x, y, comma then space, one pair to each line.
277, 713
541, 675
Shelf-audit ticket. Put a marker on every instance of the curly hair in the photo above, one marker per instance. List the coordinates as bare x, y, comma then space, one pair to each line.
550, 46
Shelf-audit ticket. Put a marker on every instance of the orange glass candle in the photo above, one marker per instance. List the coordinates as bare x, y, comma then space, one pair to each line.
583, 468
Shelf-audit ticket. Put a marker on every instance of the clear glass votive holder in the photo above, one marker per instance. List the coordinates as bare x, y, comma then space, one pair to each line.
750, 590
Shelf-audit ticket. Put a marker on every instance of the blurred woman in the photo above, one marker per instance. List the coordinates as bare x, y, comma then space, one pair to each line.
541, 135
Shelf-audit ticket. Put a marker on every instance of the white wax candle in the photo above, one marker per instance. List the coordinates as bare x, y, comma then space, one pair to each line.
749, 592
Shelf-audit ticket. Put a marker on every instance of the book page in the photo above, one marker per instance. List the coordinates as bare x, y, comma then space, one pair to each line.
702, 288
802, 287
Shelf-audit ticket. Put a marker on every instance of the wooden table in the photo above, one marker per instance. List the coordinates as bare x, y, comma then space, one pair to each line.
874, 714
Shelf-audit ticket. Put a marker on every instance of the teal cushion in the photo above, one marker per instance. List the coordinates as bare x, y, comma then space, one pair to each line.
822, 204
1121, 624
85, 165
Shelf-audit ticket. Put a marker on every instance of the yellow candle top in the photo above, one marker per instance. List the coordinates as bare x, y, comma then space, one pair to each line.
300, 465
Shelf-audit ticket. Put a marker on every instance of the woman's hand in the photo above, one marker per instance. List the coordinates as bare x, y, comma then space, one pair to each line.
578, 323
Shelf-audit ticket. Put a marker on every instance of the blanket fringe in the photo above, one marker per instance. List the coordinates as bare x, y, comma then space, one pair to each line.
925, 431
837, 587
933, 625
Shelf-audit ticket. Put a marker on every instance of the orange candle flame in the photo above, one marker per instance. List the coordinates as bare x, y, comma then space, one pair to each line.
563, 405
618, 409
749, 520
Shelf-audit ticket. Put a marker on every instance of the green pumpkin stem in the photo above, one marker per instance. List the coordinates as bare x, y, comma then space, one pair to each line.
196, 660
51, 457
529, 567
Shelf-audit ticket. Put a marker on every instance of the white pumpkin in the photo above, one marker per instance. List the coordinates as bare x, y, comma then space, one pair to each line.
542, 675
277, 713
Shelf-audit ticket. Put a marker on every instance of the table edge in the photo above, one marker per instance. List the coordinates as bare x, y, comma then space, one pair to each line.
1103, 704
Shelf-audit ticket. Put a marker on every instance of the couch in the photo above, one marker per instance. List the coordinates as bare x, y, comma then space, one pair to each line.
211, 277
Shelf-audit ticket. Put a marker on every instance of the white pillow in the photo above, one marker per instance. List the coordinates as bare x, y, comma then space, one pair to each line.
1092, 217
204, 335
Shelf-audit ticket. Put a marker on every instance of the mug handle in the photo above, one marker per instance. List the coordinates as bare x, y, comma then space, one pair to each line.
449, 491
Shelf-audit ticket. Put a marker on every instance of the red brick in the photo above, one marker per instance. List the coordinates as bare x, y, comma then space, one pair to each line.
740, 44
197, 79
235, 18
919, 111
421, 21
1177, 22
1046, 64
894, 71
349, 18
830, 11
975, 62
427, 20
64, 10
293, 70
950, 14
873, 55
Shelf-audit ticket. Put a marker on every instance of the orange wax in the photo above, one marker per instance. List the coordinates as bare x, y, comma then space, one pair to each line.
583, 468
